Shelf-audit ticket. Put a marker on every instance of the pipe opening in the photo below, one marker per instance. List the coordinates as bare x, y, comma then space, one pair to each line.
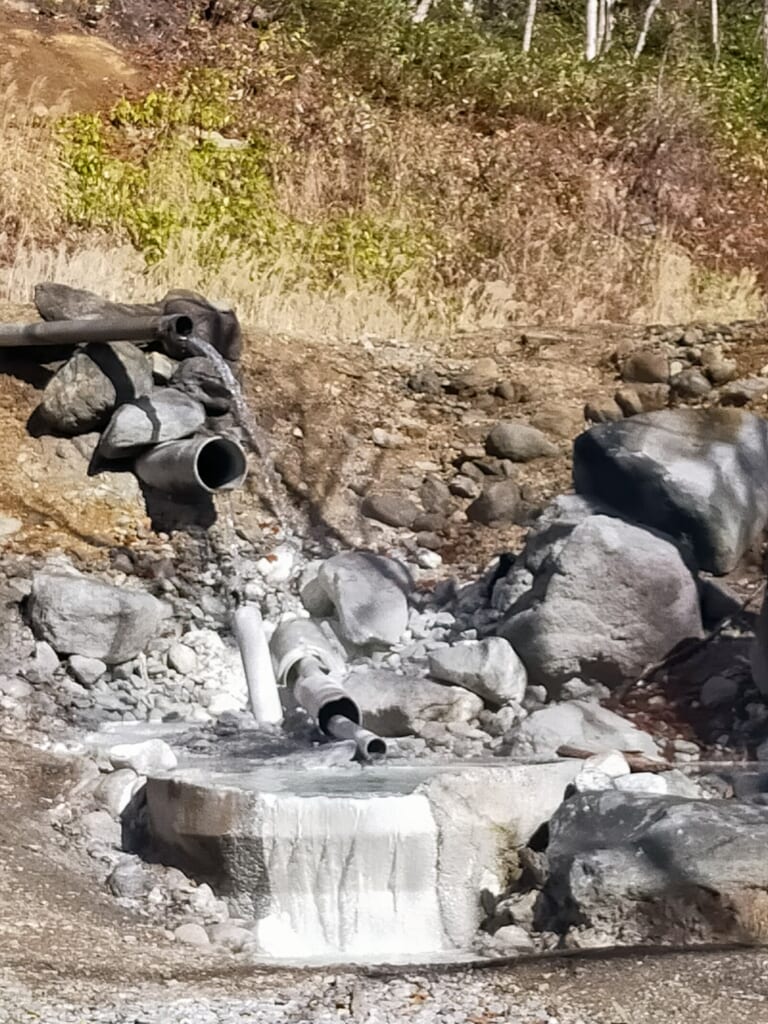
183, 325
375, 748
220, 464
344, 706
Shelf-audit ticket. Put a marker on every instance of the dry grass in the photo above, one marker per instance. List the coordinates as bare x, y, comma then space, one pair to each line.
669, 289
534, 226
31, 178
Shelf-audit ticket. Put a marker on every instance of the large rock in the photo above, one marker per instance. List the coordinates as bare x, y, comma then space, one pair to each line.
77, 615
498, 505
660, 869
611, 599
490, 668
199, 378
394, 705
81, 395
699, 475
519, 442
165, 415
581, 724
369, 594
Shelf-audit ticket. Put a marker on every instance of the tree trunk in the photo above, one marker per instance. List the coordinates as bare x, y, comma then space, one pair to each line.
601, 26
610, 21
765, 35
529, 20
715, 19
590, 48
421, 11
643, 37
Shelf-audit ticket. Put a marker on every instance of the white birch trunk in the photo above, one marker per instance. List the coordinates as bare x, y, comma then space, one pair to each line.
421, 11
648, 18
601, 18
590, 47
715, 19
610, 21
530, 18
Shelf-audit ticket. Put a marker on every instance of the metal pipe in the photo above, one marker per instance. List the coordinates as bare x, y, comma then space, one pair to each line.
294, 641
369, 746
248, 627
79, 332
323, 697
210, 464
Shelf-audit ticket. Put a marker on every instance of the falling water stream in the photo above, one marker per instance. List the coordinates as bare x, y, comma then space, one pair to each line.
255, 436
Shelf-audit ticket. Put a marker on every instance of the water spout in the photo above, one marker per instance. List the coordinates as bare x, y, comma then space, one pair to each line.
210, 464
305, 660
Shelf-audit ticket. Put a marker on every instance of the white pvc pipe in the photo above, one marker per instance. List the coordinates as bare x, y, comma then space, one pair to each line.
257, 662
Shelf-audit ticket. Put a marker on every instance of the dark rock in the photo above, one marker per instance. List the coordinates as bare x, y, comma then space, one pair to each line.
507, 391
690, 384
429, 540
603, 410
464, 486
425, 382
607, 599
391, 509
742, 392
628, 402
646, 367
700, 476
428, 522
435, 495
83, 393
165, 415
200, 379
498, 505
519, 442
214, 324
659, 869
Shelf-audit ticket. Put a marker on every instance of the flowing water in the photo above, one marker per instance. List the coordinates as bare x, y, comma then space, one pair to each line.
255, 436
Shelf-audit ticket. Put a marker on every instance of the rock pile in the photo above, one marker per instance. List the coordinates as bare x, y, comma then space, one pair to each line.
126, 401
531, 661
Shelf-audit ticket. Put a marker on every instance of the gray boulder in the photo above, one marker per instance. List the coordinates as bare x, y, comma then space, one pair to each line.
77, 615
394, 705
659, 869
369, 594
391, 509
699, 475
165, 415
199, 378
490, 668
609, 599
519, 442
498, 504
81, 395
578, 723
